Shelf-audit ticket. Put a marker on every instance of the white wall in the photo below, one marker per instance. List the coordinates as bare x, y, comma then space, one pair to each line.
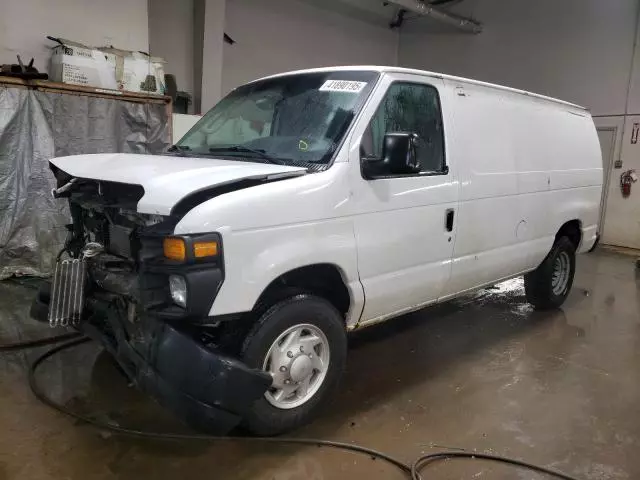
272, 36
279, 35
577, 50
181, 124
212, 52
171, 37
633, 106
24, 24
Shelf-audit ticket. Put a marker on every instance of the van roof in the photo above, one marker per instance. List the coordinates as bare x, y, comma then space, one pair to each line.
383, 69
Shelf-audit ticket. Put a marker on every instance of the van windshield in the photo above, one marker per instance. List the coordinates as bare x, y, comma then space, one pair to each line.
297, 119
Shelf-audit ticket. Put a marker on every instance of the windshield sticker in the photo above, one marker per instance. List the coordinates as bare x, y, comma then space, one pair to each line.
342, 86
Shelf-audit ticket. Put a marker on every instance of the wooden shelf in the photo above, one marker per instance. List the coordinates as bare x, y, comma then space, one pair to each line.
55, 87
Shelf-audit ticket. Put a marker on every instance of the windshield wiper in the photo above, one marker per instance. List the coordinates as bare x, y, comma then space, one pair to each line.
179, 149
243, 149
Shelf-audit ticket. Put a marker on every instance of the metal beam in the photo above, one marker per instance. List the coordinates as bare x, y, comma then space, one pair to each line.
424, 9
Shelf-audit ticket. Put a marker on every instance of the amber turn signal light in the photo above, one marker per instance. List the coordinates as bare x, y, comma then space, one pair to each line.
205, 249
174, 249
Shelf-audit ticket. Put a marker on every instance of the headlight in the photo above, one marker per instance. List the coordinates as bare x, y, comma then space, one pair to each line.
178, 289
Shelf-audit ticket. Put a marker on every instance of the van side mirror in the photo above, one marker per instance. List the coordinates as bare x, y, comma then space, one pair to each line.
399, 157
399, 152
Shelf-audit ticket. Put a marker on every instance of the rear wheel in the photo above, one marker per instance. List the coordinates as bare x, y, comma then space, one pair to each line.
548, 286
301, 342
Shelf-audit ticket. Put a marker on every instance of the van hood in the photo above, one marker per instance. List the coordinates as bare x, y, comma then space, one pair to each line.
168, 179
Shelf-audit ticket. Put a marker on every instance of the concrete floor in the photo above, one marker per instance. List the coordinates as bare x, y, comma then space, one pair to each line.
484, 372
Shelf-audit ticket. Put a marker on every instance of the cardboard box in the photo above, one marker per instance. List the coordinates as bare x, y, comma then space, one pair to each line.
137, 71
79, 64
143, 74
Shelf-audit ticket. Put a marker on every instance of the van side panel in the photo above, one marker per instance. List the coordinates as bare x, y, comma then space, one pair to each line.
527, 165
576, 180
486, 247
558, 155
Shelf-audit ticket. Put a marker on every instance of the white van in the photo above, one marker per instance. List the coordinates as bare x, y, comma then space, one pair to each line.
225, 275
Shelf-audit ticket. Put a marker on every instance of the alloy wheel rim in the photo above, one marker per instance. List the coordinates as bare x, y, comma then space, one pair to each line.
561, 271
298, 361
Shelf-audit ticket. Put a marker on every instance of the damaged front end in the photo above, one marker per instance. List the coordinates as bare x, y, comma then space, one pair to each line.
116, 281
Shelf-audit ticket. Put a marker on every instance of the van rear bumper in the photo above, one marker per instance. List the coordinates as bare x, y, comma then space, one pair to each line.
205, 388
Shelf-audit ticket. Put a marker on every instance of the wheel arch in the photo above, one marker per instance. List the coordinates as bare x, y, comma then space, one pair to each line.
326, 280
571, 229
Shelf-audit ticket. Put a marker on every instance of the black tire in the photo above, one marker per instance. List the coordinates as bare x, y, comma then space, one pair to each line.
39, 309
44, 293
266, 419
539, 288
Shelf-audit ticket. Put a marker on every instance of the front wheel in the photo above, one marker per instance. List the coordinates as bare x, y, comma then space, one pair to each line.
302, 343
548, 286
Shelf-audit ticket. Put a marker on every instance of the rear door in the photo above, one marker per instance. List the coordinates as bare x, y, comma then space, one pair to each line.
405, 225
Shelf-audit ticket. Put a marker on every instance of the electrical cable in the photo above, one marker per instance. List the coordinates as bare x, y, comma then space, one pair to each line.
423, 461
412, 471
40, 342
40, 395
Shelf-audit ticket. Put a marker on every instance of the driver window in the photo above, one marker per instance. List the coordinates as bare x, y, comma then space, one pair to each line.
411, 108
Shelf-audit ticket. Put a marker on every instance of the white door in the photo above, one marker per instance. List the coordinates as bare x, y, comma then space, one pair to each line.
622, 214
405, 225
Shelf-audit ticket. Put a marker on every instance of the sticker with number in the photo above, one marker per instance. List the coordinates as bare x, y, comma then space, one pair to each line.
342, 86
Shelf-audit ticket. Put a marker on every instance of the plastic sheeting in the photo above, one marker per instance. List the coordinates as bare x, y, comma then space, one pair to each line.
36, 126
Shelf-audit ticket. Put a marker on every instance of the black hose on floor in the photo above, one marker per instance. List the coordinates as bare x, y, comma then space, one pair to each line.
40, 342
412, 471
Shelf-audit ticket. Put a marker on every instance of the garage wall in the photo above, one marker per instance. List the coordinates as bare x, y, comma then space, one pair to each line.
279, 35
171, 37
24, 25
577, 50
634, 92
622, 215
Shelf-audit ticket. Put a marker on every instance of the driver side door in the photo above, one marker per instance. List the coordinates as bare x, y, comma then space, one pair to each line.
404, 224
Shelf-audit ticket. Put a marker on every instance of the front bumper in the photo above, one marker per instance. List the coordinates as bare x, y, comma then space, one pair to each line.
205, 388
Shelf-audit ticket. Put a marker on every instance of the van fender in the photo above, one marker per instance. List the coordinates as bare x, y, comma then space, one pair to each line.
255, 258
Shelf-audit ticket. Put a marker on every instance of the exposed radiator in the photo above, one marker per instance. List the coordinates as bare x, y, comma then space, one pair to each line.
67, 292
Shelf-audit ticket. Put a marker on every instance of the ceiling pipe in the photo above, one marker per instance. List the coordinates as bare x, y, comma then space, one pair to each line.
424, 9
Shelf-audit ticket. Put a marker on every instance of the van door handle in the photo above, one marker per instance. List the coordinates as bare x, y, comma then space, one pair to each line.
449, 219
